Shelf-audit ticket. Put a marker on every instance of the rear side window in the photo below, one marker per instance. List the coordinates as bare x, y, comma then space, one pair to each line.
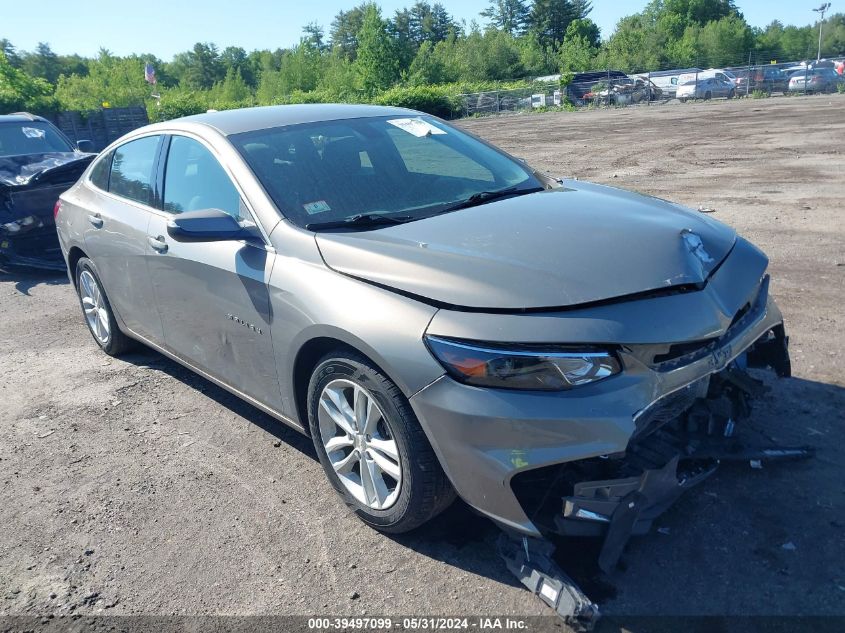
100, 172
132, 169
194, 180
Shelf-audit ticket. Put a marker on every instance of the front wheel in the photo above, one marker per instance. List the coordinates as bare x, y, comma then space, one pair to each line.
731, 94
372, 447
98, 311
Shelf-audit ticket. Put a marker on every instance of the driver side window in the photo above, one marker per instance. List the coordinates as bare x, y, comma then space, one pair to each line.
194, 180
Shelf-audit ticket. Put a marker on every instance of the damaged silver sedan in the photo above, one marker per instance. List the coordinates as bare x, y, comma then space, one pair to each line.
440, 318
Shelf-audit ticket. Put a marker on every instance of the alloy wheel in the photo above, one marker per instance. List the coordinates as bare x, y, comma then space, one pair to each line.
359, 444
94, 306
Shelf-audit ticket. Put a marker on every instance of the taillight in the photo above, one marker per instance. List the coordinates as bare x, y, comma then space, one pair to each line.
56, 208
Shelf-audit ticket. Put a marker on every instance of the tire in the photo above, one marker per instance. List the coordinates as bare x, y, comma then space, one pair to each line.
683, 99
422, 490
731, 94
103, 326
707, 96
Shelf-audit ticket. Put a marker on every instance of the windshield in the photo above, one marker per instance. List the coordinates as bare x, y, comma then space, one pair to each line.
411, 167
30, 137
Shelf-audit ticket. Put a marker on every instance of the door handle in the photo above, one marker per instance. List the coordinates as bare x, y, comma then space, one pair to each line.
158, 243
96, 220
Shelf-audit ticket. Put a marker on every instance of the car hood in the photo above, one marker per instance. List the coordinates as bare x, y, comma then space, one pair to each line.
578, 244
27, 169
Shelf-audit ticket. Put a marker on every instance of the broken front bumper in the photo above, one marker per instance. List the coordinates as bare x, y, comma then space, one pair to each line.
499, 447
27, 229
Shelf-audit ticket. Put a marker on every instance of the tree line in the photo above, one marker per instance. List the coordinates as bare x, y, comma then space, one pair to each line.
420, 56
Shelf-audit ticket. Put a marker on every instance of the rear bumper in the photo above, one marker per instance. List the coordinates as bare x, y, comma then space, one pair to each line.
489, 441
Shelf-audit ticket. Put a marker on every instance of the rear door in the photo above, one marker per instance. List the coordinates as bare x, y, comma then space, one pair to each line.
212, 297
116, 231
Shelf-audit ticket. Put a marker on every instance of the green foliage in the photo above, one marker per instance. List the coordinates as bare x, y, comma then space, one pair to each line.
177, 103
118, 81
11, 53
549, 19
510, 16
635, 45
759, 94
437, 100
418, 57
576, 54
718, 43
579, 48
43, 63
233, 89
345, 28
491, 55
199, 68
376, 61
428, 67
20, 92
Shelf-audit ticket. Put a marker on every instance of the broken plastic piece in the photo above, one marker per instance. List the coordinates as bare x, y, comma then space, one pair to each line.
530, 560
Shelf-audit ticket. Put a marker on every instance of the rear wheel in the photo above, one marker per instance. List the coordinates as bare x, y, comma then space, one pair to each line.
731, 94
708, 95
372, 447
98, 312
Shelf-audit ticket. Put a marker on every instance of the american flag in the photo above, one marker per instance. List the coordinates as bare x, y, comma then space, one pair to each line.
149, 73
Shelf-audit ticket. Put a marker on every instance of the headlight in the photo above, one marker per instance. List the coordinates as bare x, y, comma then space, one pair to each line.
542, 370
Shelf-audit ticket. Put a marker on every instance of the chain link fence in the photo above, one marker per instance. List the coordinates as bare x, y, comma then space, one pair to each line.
757, 77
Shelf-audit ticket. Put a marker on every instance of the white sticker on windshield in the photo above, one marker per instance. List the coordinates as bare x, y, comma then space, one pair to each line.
318, 206
32, 132
417, 127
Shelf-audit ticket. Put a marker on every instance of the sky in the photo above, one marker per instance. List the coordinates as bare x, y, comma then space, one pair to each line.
166, 27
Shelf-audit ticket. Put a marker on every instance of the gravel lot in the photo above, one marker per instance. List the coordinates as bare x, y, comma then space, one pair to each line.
132, 486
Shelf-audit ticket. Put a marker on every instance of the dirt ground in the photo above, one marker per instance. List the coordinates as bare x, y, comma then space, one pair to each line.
135, 487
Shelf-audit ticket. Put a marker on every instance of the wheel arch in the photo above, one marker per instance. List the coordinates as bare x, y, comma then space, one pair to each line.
309, 355
74, 255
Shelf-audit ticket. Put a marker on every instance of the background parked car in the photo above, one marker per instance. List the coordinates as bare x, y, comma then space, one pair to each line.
769, 79
721, 73
706, 88
37, 163
816, 80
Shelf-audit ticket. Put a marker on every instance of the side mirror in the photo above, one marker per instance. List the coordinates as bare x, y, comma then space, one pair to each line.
208, 225
84, 145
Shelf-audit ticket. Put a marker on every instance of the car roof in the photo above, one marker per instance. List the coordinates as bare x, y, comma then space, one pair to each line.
261, 118
21, 117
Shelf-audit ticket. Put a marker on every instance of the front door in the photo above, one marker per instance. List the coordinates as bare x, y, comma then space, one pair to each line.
212, 297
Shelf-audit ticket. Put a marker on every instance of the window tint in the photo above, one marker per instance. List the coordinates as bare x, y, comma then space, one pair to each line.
132, 169
194, 180
100, 172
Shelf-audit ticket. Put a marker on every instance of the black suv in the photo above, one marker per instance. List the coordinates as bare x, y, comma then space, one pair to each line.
37, 164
